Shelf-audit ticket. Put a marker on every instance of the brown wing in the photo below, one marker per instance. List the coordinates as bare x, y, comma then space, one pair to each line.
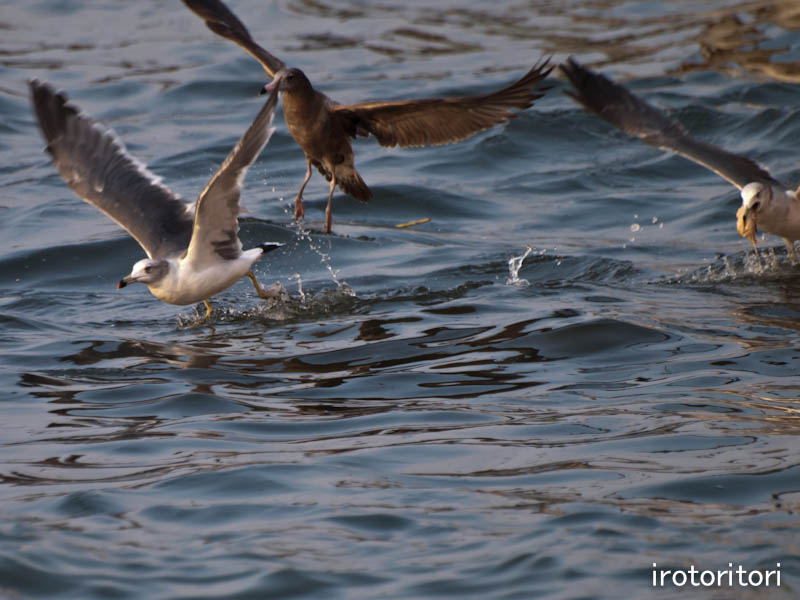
654, 127
435, 121
222, 21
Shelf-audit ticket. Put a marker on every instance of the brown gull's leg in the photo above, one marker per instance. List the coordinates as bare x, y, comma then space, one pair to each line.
328, 208
299, 212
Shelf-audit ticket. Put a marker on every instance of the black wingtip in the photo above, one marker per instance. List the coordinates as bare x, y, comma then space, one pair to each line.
545, 67
40, 90
270, 246
593, 90
52, 109
573, 70
39, 87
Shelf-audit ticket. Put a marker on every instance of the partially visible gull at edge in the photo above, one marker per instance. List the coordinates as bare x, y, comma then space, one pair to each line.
323, 128
193, 249
766, 203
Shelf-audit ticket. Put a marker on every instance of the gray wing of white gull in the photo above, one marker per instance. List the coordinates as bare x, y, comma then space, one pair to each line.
95, 164
636, 117
216, 226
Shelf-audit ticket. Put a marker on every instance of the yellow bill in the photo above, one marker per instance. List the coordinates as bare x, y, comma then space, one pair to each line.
746, 225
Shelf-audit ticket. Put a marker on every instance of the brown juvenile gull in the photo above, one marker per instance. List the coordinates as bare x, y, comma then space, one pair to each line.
323, 127
193, 249
765, 201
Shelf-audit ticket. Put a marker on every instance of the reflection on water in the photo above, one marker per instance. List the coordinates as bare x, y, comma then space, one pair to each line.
738, 41
726, 35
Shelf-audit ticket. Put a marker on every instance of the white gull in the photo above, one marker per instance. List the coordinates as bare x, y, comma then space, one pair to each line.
766, 202
193, 249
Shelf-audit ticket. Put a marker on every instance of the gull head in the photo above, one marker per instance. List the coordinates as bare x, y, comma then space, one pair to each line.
288, 80
756, 197
147, 271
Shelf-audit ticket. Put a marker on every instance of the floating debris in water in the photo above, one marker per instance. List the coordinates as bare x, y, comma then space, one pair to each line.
412, 223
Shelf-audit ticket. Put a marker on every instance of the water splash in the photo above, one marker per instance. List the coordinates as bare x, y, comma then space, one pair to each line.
282, 308
299, 285
768, 264
324, 257
514, 265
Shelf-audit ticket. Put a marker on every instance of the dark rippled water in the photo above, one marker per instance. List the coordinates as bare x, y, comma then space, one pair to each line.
424, 428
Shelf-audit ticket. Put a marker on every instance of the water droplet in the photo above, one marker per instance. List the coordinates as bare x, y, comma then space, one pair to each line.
324, 257
514, 265
299, 286
635, 227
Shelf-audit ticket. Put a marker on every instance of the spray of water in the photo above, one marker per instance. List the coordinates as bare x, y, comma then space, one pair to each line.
300, 291
324, 257
514, 265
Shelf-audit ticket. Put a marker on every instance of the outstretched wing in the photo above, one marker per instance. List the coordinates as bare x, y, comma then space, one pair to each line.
216, 226
95, 164
435, 121
222, 21
654, 127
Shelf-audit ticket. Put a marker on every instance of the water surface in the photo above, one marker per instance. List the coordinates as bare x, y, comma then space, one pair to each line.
410, 423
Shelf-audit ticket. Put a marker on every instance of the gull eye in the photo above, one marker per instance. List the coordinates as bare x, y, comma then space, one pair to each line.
148, 269
756, 206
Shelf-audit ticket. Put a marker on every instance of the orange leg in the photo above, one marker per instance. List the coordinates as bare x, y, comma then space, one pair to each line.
209, 310
328, 208
299, 212
262, 293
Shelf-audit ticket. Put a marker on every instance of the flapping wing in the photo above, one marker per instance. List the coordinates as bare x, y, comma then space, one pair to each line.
216, 226
223, 22
435, 121
95, 164
636, 117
